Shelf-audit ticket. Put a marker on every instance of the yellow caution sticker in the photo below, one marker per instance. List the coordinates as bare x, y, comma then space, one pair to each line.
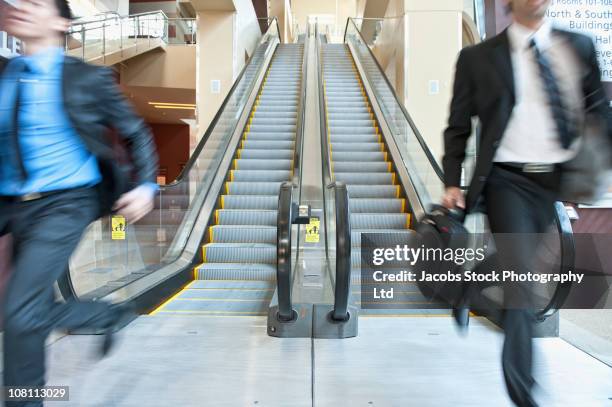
118, 227
312, 230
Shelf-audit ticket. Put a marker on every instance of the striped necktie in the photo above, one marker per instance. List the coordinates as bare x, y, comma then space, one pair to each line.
564, 129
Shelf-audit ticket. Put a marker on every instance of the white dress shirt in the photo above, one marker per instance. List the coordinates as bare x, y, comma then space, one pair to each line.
531, 135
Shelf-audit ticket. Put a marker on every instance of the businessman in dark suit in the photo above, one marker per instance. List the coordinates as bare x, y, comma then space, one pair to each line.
531, 86
58, 173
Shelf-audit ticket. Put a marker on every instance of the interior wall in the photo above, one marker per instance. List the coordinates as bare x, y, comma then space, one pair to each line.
169, 7
247, 34
340, 9
214, 62
433, 40
159, 68
172, 141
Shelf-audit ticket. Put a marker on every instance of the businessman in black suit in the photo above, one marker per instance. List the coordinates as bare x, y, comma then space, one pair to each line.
531, 86
58, 173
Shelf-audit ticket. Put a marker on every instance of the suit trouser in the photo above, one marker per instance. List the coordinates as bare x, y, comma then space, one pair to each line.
45, 233
520, 204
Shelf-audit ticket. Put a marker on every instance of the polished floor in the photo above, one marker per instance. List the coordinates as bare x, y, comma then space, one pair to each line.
408, 361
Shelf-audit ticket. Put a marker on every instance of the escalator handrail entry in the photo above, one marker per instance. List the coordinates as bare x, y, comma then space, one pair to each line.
283, 252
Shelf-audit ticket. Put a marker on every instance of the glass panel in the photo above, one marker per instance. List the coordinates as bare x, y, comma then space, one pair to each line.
182, 31
423, 169
102, 264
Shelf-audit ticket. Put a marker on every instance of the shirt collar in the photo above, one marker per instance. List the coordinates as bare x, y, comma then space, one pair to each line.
43, 62
520, 36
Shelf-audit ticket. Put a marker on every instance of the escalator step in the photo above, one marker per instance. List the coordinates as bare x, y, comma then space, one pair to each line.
267, 144
239, 253
373, 191
355, 146
380, 221
252, 136
259, 175
249, 202
260, 164
245, 217
253, 188
267, 154
359, 156
364, 178
243, 234
366, 167
364, 205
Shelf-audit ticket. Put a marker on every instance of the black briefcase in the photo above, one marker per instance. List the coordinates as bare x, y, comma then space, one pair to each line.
439, 231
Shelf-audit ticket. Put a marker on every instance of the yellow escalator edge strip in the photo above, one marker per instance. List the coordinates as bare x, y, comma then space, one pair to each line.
403, 205
156, 310
210, 234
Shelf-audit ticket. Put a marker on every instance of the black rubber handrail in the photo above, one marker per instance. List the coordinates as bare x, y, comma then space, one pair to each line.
416, 132
283, 251
299, 137
343, 253
568, 261
341, 210
286, 204
325, 156
196, 153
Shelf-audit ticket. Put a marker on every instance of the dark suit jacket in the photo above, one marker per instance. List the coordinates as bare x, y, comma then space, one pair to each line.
95, 104
484, 87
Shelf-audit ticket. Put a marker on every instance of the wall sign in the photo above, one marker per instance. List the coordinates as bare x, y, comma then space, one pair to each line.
593, 17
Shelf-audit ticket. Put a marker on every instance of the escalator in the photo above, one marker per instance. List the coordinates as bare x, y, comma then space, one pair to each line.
238, 270
391, 176
360, 159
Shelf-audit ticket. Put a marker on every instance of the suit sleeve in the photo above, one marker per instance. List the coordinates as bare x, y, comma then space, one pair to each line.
596, 101
459, 122
132, 129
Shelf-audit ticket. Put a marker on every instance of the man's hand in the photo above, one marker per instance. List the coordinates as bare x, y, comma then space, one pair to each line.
136, 203
453, 198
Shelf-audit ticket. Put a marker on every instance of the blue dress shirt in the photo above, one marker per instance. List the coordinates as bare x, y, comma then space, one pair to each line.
54, 156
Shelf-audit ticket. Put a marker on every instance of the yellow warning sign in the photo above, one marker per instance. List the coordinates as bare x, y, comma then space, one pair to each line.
118, 226
312, 230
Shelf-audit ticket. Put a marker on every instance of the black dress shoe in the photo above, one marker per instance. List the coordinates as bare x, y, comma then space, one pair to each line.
462, 318
123, 314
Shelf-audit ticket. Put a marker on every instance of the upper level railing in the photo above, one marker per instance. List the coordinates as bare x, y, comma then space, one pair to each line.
100, 35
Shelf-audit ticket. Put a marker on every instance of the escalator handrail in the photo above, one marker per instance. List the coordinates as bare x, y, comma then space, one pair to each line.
301, 121
201, 144
327, 172
340, 312
342, 279
567, 263
419, 137
283, 252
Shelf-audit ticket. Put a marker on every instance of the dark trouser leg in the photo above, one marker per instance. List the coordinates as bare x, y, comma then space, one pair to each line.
45, 234
518, 205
